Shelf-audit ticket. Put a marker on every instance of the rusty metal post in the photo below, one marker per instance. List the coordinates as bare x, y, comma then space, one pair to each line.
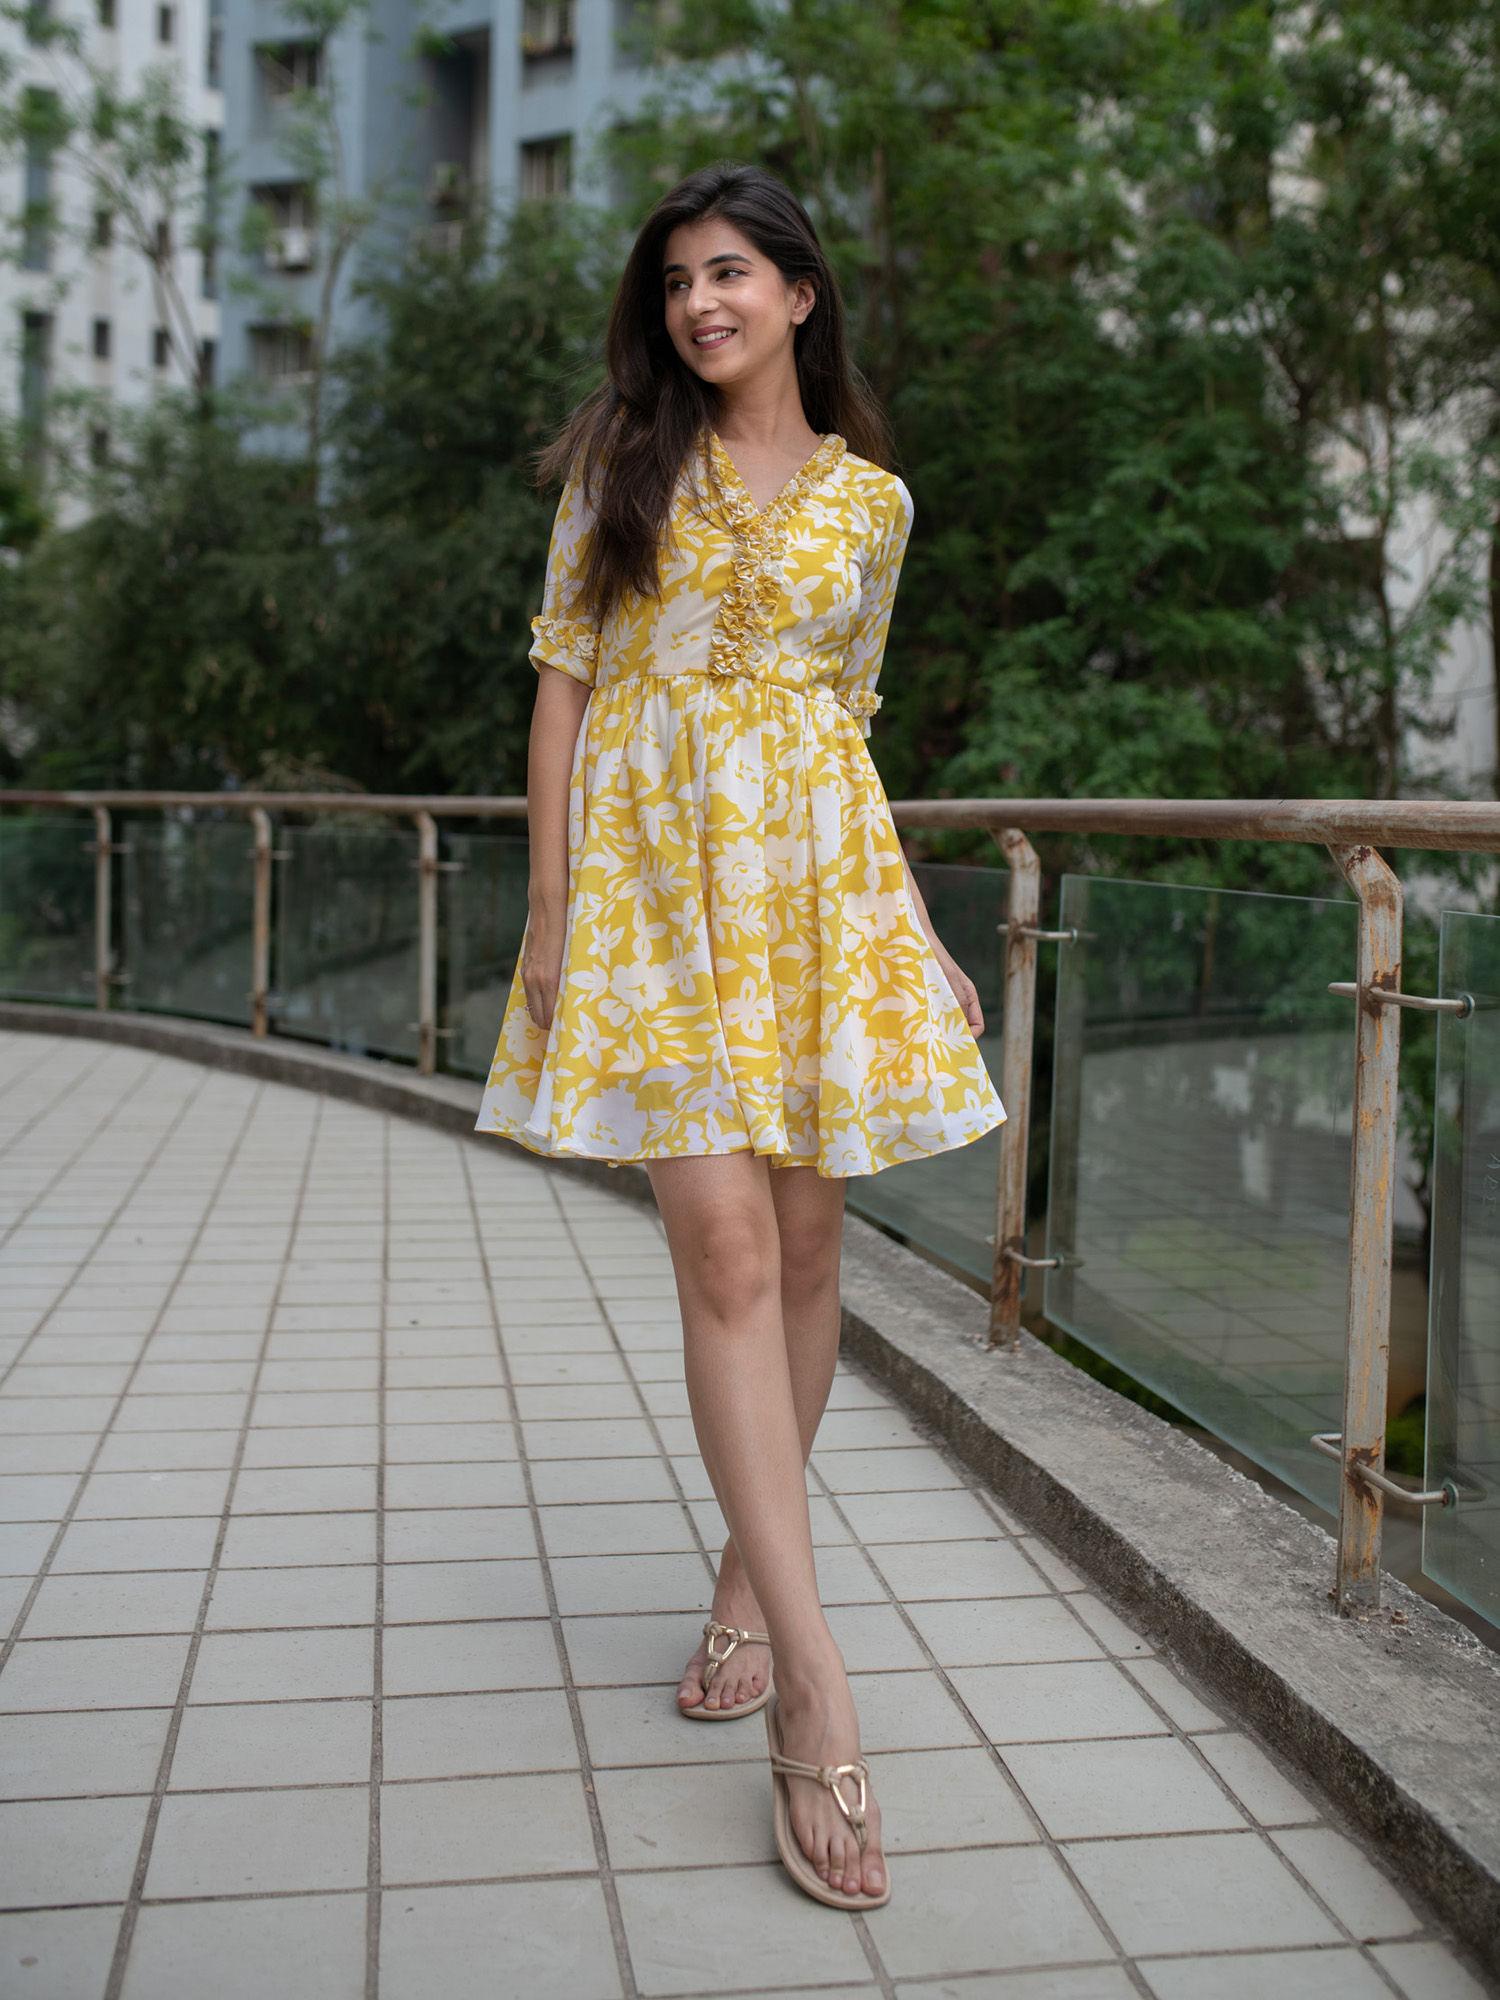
103, 958
1022, 910
427, 910
260, 924
1372, 1185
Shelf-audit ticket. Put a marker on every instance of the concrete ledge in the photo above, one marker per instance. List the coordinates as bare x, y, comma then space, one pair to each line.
1398, 1717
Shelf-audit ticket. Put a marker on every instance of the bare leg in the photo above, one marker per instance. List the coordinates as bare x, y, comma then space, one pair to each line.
810, 1221
721, 1225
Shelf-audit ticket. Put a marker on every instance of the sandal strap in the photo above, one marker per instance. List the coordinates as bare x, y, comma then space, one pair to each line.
736, 1635
829, 1775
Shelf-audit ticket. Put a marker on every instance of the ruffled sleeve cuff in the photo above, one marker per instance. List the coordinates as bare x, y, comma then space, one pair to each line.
565, 643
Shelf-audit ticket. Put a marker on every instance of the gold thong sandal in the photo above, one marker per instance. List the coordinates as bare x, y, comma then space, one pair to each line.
798, 1866
736, 1635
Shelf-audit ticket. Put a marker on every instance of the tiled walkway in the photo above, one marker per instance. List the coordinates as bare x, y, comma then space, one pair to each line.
355, 1540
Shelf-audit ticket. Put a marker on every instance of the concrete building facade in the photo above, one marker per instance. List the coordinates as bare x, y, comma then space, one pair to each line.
80, 306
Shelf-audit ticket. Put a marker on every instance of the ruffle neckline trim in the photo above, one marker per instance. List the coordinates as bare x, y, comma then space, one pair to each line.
749, 600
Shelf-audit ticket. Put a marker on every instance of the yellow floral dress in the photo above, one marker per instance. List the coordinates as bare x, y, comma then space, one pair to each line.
743, 967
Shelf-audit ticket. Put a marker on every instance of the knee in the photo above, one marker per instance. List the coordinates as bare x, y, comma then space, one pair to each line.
732, 1267
809, 1261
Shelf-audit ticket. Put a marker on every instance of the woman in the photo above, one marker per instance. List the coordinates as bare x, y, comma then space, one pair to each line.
727, 967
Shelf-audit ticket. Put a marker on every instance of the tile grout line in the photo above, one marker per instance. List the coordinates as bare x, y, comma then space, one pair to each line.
604, 1872
374, 1890
189, 1099
116, 1977
41, 1573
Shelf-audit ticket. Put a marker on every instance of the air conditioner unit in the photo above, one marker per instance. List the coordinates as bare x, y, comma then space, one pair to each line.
291, 249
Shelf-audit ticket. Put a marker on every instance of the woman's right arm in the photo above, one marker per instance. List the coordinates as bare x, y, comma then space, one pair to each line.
564, 651
555, 720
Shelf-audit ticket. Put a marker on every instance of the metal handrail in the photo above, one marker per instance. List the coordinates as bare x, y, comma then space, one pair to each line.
1351, 830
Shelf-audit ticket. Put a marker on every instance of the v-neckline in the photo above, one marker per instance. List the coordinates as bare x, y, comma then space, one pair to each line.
829, 448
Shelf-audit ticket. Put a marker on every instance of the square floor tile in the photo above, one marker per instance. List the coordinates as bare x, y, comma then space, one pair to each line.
917, 1571
477, 1658
1038, 1704
87, 1754
446, 1534
297, 1947
252, 1745
1429, 1972
71, 1849
481, 1483
557, 1481
115, 1606
1143, 1784
980, 1911
56, 1954
906, 1471
428, 1592
642, 1725
1002, 1631
938, 1516
1197, 1892
873, 1638
318, 1594
462, 1829
540, 1940
1357, 1892
275, 1541
95, 1673
684, 1930
472, 1735
679, 1815
592, 1584
307, 1663
648, 1649
946, 1798
1175, 1694
1290, 1975
1264, 1791
243, 1843
617, 1528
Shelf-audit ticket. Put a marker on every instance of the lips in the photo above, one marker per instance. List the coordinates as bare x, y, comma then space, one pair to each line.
714, 337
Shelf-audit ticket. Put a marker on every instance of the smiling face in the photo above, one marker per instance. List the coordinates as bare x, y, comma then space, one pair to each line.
728, 310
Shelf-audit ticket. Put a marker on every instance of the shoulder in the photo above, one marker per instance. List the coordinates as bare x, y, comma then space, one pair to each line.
885, 495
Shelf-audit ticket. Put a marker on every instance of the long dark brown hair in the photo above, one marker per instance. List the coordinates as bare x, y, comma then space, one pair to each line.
629, 439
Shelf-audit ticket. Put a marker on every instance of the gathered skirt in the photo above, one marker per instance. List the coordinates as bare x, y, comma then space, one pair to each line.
743, 967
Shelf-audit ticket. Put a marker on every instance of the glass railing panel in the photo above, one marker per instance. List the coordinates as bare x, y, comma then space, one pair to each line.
484, 916
1461, 1544
47, 907
1202, 1086
945, 1205
189, 917
346, 929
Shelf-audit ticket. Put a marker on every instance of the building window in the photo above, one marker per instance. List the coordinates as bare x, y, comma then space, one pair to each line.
106, 13
208, 362
36, 376
101, 339
547, 168
166, 23
104, 228
289, 224
39, 116
547, 28
99, 445
162, 240
280, 353
161, 348
285, 68
209, 279
213, 47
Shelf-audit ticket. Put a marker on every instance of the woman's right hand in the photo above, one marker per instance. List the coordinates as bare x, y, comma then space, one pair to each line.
541, 966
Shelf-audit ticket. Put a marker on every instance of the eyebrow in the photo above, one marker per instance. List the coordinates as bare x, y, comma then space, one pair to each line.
722, 257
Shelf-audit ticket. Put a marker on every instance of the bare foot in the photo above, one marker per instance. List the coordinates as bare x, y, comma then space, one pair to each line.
745, 1673
819, 1726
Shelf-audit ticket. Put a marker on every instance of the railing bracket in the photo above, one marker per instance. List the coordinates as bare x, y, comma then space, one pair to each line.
1331, 1444
1031, 1263
1461, 1005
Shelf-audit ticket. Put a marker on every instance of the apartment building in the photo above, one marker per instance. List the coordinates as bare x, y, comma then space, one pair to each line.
81, 307
501, 98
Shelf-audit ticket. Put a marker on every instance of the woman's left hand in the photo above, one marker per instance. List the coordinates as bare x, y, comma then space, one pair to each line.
964, 990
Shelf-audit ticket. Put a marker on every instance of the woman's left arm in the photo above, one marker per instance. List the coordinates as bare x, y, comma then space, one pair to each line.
964, 989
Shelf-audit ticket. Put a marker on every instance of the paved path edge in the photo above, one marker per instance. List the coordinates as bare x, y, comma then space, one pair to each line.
1397, 1717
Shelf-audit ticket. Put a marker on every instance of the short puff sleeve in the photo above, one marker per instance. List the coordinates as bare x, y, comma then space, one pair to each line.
563, 635
865, 647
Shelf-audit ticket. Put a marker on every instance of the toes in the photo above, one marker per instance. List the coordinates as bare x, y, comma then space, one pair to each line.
874, 1874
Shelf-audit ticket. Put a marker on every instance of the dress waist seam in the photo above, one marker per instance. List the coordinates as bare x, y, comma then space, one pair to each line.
858, 702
